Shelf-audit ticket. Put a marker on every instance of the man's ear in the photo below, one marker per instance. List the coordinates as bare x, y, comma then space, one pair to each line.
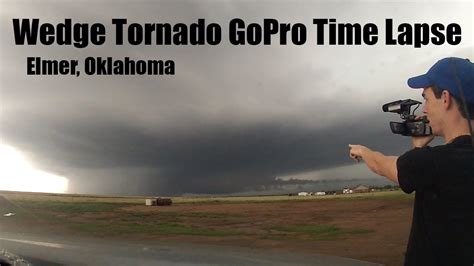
447, 99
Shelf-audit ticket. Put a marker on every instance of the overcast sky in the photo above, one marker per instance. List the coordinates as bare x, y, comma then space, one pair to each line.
232, 117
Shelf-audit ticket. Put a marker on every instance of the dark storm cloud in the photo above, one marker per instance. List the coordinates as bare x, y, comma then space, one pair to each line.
201, 159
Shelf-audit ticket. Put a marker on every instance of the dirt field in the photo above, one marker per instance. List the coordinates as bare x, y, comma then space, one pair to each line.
371, 226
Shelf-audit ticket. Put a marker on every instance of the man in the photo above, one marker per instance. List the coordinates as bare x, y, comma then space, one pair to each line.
442, 177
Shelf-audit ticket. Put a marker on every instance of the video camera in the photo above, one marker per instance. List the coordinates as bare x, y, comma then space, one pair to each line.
411, 126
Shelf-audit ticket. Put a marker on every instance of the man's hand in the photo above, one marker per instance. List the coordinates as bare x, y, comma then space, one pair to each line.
420, 142
357, 152
376, 161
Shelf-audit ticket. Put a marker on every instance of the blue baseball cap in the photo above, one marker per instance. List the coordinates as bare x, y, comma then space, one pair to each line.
448, 74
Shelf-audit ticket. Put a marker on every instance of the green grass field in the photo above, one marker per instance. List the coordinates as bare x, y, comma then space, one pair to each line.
115, 216
13, 196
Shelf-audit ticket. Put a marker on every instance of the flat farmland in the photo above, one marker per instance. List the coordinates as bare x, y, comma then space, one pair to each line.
367, 226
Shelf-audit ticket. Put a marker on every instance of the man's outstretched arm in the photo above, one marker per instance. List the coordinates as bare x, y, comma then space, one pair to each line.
376, 161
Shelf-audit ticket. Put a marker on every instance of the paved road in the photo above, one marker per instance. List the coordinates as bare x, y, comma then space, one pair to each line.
87, 251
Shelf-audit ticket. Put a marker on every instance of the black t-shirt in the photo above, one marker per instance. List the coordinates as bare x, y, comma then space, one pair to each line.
442, 231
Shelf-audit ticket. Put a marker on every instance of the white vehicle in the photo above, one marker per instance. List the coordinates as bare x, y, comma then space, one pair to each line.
347, 191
